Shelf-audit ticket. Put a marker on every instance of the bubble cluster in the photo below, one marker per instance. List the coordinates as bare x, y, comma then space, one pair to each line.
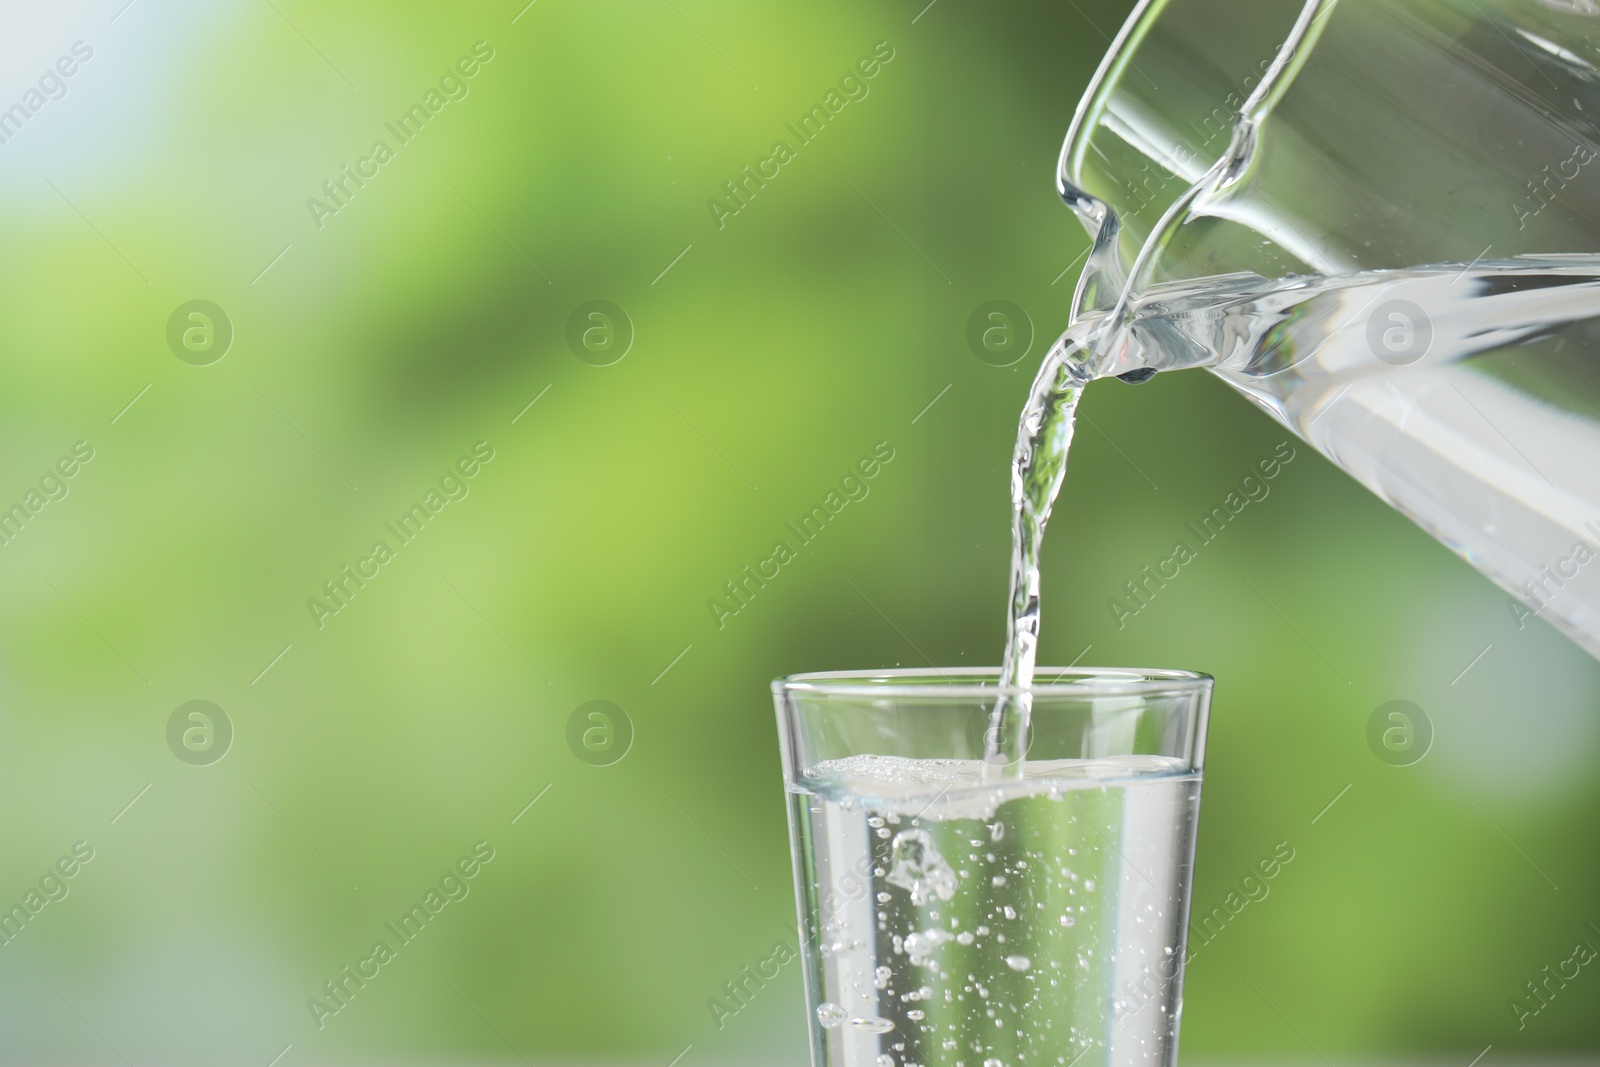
917, 867
993, 915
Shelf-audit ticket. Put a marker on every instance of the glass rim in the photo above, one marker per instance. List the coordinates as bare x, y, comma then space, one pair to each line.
924, 683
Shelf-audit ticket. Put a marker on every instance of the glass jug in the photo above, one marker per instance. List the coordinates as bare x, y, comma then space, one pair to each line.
1379, 220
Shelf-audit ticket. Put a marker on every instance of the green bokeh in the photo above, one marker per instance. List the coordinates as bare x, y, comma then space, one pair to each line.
771, 353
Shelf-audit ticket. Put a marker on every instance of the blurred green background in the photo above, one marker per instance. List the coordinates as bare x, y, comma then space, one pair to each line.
766, 352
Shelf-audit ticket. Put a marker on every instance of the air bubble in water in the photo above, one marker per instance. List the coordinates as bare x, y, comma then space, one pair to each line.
880, 977
993, 1062
872, 1026
920, 945
885, 1060
1018, 963
917, 867
829, 1015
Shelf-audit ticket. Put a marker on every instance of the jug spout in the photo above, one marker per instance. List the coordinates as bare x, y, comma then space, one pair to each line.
1160, 114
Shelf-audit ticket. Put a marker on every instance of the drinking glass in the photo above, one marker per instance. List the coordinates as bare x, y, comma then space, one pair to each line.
953, 916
